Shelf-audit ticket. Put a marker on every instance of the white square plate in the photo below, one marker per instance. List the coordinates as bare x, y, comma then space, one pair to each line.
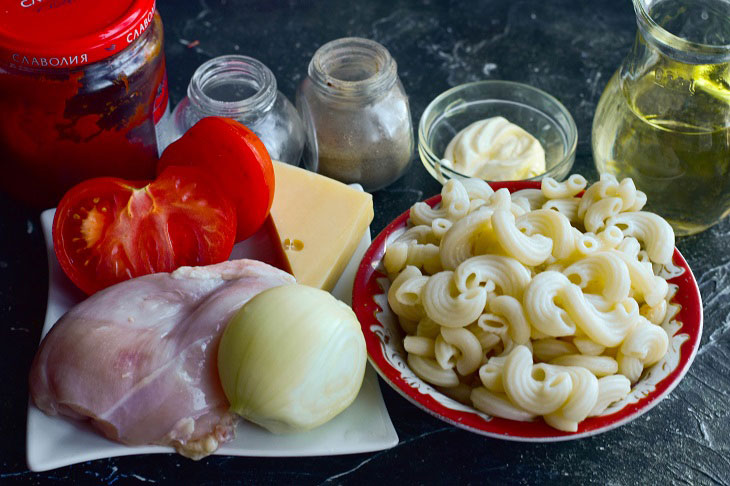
364, 426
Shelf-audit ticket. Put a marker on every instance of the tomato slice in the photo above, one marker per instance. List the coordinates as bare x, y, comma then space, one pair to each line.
107, 230
237, 158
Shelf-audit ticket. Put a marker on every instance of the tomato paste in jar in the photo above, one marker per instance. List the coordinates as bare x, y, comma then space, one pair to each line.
82, 92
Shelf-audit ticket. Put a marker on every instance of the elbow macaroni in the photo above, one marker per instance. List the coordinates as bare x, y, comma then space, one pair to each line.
538, 303
530, 250
553, 189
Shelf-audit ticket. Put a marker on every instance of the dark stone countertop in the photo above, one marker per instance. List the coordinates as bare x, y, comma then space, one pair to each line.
567, 48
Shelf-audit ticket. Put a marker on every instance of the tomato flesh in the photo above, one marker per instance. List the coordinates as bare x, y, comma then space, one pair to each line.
107, 230
239, 162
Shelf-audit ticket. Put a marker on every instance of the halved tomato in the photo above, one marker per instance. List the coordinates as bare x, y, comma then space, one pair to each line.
107, 230
237, 159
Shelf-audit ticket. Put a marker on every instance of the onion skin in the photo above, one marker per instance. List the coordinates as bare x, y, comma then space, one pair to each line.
292, 358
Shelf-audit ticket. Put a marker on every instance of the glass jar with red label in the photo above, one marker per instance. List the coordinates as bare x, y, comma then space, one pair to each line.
83, 93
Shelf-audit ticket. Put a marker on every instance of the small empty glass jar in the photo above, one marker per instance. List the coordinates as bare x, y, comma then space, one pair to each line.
356, 113
244, 89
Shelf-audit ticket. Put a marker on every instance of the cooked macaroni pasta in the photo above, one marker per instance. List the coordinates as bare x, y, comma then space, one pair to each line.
538, 303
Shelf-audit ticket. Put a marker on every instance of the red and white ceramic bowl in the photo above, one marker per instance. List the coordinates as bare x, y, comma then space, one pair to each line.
384, 339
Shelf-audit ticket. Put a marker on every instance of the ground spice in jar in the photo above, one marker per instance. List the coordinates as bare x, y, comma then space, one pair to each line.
357, 113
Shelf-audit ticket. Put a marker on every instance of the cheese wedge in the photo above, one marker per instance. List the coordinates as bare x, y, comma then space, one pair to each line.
320, 223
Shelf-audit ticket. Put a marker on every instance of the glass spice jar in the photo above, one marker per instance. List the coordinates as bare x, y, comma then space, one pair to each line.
244, 89
356, 112
83, 93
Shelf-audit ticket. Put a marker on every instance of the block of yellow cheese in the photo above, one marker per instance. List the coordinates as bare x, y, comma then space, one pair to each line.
320, 223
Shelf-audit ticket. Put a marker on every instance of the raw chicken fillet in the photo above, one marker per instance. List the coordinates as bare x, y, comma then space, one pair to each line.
139, 359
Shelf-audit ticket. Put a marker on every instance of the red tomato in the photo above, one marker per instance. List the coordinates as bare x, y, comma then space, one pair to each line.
107, 230
236, 157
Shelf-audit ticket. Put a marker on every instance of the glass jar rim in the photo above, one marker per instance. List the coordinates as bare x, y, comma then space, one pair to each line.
381, 69
678, 47
233, 66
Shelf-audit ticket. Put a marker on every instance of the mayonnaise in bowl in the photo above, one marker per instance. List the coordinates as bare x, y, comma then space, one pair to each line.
495, 149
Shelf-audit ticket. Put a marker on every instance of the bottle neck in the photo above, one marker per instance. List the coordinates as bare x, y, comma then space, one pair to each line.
232, 86
352, 69
685, 31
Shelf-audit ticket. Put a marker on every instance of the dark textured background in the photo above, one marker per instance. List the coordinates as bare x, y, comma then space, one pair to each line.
568, 48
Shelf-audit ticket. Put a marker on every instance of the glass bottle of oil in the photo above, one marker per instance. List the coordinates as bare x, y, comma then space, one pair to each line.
664, 118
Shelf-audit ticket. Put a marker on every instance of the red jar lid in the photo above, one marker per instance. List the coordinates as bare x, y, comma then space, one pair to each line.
62, 34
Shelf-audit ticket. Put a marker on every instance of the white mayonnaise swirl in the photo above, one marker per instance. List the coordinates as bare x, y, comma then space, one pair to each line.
495, 149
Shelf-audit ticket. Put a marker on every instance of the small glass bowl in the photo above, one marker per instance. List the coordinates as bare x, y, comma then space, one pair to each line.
540, 114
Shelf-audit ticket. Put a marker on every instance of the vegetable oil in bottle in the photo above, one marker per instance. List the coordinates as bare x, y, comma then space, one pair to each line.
664, 118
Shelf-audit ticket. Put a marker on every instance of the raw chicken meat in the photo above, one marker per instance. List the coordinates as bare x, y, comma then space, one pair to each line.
139, 359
